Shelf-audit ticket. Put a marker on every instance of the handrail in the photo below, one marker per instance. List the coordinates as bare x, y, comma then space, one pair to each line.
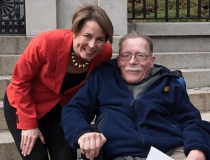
166, 10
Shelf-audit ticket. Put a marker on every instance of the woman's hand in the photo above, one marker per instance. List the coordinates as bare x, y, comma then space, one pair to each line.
196, 155
90, 144
28, 139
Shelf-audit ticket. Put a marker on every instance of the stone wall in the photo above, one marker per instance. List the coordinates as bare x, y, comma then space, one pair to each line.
51, 14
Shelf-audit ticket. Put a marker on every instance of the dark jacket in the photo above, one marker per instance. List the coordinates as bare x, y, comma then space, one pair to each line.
162, 117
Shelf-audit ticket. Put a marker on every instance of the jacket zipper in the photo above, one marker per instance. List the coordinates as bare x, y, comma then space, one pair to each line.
131, 89
137, 127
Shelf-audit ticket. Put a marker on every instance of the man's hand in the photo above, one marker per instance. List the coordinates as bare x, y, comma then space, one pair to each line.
196, 155
28, 139
90, 144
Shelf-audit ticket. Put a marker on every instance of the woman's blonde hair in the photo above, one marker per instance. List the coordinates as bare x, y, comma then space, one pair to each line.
92, 12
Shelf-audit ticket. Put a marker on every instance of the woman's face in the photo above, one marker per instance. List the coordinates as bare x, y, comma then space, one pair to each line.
89, 41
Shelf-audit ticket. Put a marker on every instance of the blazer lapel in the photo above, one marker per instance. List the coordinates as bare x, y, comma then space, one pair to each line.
62, 61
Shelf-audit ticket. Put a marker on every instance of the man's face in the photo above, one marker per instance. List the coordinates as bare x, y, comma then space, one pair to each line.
134, 71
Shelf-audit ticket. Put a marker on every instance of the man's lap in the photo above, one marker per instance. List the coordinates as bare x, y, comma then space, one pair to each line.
178, 154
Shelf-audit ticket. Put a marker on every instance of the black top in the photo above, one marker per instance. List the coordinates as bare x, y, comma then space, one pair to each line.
70, 80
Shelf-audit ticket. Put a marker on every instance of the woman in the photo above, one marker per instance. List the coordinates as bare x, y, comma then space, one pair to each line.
47, 75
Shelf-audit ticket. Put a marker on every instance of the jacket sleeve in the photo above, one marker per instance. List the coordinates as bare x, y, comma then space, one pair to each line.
80, 111
196, 132
28, 65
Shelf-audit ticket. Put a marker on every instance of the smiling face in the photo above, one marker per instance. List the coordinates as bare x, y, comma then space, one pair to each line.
89, 41
132, 70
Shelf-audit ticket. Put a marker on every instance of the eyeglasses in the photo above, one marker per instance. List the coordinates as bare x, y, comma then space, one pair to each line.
126, 56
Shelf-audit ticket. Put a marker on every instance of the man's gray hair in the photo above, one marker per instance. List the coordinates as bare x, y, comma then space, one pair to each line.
134, 34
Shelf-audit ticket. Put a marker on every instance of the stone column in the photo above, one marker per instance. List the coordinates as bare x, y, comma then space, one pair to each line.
40, 16
117, 11
65, 10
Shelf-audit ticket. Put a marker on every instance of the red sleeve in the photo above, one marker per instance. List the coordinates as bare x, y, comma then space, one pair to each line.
28, 65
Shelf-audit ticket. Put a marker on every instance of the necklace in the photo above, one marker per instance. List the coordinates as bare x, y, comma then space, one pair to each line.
77, 64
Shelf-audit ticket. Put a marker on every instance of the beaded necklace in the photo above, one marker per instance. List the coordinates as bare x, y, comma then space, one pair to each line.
76, 64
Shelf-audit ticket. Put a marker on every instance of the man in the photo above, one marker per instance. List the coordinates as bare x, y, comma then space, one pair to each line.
137, 104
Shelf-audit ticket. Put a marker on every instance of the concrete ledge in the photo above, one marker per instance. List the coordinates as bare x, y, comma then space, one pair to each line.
200, 98
205, 116
7, 64
13, 44
176, 44
176, 36
3, 125
8, 150
116, 10
196, 78
4, 81
171, 28
184, 60
181, 43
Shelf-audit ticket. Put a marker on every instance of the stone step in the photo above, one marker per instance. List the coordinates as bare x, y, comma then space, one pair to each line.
171, 28
181, 43
8, 150
183, 60
205, 116
196, 78
175, 37
3, 125
7, 63
13, 44
4, 81
200, 97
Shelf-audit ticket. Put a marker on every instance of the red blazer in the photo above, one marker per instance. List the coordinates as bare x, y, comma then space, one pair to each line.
39, 73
